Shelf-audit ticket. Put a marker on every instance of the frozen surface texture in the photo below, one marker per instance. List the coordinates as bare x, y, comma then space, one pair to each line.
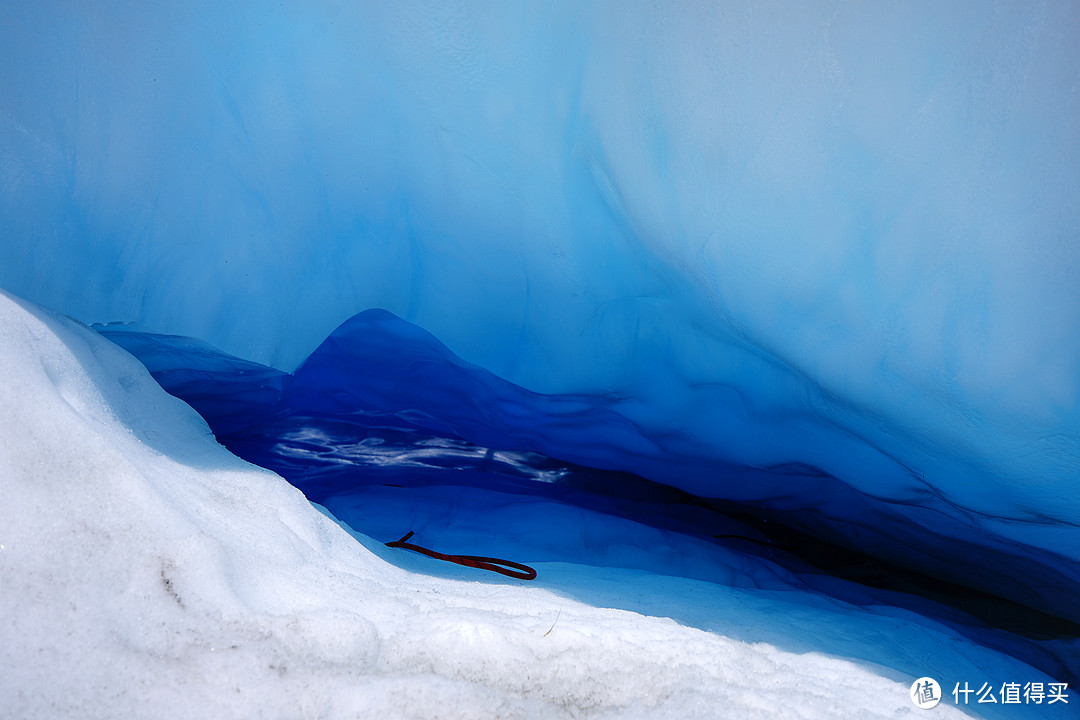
149, 573
820, 257
840, 235
392, 432
377, 371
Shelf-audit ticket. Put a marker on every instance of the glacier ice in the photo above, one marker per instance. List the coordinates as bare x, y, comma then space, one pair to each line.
392, 432
144, 566
815, 257
377, 373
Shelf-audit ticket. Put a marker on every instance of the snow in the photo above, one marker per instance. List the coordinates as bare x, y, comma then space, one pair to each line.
827, 248
148, 572
382, 424
382, 386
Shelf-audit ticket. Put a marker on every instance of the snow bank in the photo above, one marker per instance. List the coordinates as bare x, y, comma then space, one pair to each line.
149, 573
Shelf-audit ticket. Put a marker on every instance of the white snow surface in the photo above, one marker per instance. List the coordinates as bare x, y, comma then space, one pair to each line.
147, 572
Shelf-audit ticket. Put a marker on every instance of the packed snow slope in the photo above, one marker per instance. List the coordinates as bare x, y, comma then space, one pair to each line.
147, 572
835, 237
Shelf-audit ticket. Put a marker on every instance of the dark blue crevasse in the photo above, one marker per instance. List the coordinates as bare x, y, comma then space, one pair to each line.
377, 362
383, 402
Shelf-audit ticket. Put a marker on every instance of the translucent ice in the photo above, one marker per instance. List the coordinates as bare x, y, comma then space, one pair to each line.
143, 566
819, 257
377, 371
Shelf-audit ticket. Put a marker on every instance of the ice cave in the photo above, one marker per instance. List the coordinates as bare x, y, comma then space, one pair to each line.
750, 329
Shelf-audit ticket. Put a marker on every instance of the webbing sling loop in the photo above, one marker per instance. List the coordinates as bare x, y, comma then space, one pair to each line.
504, 567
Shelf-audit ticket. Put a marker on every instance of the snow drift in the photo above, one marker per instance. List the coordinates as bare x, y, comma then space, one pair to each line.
149, 573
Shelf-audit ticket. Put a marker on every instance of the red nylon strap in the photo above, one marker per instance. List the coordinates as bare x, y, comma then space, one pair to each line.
504, 567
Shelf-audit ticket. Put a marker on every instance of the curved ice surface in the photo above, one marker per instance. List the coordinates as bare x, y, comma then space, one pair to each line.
384, 412
143, 566
840, 235
820, 256
877, 502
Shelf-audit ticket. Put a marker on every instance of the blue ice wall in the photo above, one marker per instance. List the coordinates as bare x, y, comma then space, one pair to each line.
390, 431
836, 234
382, 401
